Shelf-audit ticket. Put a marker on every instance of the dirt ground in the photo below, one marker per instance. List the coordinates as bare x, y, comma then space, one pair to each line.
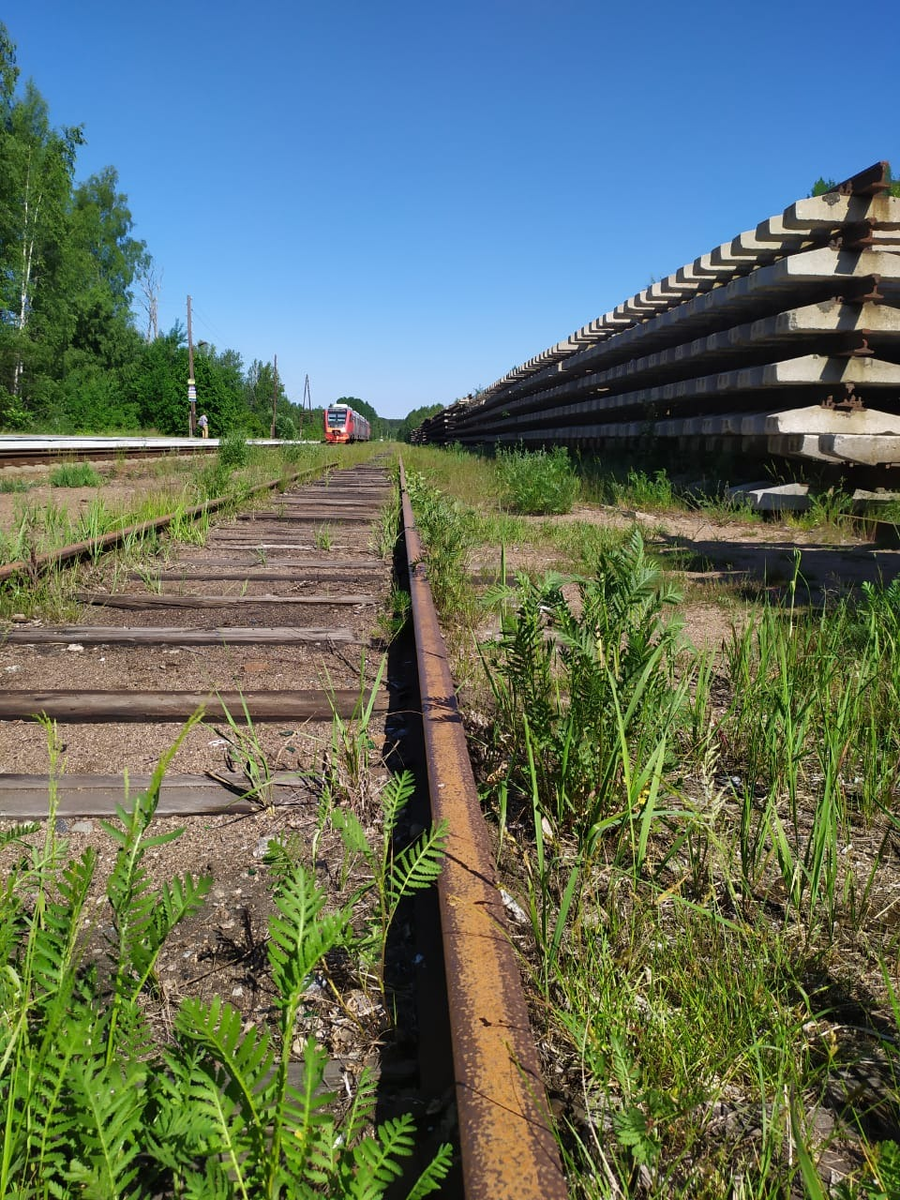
718, 563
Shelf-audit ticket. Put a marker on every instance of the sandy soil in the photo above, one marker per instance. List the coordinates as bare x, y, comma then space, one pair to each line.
718, 563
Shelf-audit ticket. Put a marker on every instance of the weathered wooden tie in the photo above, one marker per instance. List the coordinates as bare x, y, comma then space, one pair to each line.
225, 635
27, 797
151, 600
89, 706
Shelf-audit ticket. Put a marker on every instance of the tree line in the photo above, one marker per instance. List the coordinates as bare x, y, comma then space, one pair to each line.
72, 358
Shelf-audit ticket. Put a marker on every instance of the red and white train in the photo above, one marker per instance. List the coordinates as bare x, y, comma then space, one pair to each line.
345, 424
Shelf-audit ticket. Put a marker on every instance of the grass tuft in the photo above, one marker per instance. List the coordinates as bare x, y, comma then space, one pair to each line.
75, 475
536, 482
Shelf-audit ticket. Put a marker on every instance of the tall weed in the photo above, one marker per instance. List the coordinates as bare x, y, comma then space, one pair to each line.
539, 481
592, 682
234, 450
644, 491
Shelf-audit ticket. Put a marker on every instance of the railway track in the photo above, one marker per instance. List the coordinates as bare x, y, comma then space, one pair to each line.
272, 635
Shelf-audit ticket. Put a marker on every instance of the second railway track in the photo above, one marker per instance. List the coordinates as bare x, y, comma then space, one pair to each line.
272, 627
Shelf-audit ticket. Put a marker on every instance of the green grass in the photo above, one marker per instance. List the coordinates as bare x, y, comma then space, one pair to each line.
537, 482
826, 510
234, 450
213, 481
75, 475
682, 830
469, 478
323, 537
447, 530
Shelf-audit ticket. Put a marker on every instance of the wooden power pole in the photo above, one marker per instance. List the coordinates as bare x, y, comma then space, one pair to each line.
274, 398
192, 383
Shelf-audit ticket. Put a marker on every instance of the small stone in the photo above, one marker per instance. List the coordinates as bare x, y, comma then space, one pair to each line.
75, 648
514, 909
19, 617
360, 1004
256, 666
82, 827
237, 991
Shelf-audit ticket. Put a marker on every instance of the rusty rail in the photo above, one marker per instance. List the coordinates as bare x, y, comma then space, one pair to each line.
108, 541
507, 1144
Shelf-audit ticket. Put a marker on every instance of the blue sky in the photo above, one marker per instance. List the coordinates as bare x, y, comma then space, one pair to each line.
405, 200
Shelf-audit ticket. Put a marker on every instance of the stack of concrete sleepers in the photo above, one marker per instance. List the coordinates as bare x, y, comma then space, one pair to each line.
784, 341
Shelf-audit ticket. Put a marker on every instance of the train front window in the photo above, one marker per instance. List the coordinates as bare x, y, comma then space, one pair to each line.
337, 418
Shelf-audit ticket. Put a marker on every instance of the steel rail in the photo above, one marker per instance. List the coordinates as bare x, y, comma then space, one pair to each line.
108, 541
507, 1145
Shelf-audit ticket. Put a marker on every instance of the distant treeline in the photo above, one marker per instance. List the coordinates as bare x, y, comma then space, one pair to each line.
72, 357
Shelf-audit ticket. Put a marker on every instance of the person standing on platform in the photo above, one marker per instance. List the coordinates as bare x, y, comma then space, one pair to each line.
203, 424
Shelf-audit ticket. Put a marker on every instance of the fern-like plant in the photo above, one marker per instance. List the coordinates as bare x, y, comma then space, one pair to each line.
68, 1116
393, 874
89, 1106
258, 1135
143, 917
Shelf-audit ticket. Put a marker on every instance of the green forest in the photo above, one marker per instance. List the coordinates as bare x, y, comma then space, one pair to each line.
72, 356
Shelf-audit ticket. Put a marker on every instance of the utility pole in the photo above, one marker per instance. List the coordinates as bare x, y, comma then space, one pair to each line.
306, 404
192, 383
274, 398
